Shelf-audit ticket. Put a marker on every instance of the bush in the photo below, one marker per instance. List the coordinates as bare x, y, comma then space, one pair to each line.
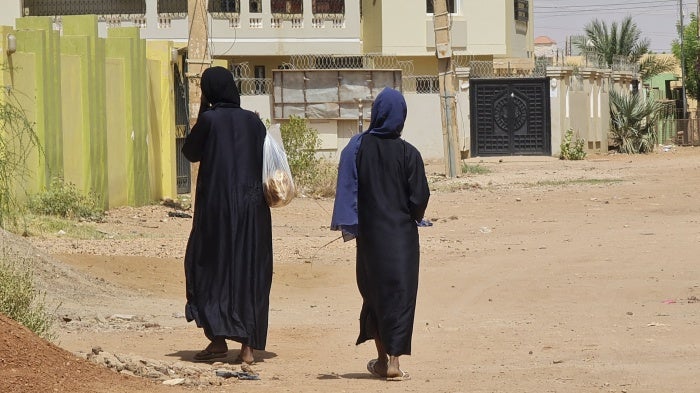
20, 301
474, 169
300, 144
322, 180
572, 149
64, 200
633, 120
312, 175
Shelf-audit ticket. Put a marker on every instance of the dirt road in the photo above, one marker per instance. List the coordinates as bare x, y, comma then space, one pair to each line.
539, 276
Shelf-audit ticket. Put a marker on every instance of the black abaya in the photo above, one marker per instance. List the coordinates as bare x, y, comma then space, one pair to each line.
393, 194
228, 262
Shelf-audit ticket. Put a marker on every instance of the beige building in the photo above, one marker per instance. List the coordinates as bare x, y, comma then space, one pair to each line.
545, 47
267, 32
256, 37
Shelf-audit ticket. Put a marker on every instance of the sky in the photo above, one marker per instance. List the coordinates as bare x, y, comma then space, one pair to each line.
656, 19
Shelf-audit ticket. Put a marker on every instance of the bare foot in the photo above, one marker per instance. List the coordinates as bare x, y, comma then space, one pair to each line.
246, 354
393, 370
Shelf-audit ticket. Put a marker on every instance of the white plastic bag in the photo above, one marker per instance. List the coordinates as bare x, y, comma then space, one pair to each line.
278, 185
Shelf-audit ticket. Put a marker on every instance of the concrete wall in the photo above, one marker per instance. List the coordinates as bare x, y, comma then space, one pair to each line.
102, 108
580, 101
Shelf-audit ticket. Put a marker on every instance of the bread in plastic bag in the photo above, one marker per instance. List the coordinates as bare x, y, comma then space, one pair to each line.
278, 185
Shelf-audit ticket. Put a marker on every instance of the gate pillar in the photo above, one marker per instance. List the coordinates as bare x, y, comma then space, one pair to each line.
596, 135
559, 85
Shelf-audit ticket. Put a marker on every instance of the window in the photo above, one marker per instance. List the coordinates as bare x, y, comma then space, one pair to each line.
172, 6
80, 7
255, 6
224, 6
429, 6
286, 7
259, 72
328, 6
522, 10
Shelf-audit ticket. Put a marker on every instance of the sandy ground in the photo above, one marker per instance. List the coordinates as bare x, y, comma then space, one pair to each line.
539, 276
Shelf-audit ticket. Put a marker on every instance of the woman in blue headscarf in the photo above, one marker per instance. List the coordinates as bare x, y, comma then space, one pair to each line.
382, 192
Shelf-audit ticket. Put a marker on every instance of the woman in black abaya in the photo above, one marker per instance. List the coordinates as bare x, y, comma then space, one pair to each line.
382, 193
228, 262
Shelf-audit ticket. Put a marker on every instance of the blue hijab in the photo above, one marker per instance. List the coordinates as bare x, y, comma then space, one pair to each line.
388, 118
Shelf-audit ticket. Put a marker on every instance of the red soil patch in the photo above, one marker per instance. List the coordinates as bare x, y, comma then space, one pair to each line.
30, 364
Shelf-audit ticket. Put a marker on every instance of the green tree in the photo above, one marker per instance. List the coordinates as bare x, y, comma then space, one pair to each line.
622, 41
690, 49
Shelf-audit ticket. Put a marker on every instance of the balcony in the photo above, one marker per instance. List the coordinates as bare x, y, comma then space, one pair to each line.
113, 12
287, 9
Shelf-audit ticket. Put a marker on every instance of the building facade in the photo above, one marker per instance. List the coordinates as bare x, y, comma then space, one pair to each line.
255, 38
266, 33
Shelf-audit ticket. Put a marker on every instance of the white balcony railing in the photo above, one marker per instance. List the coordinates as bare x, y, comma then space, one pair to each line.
255, 23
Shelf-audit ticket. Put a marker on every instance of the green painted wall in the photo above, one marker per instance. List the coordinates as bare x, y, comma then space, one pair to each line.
36, 35
124, 44
103, 110
161, 109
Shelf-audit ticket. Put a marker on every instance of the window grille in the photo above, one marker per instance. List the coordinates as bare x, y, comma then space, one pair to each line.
169, 10
430, 10
328, 10
287, 7
225, 9
171, 7
522, 10
126, 8
255, 6
224, 6
328, 6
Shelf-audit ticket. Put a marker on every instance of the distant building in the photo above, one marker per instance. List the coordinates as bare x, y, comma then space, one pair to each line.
545, 47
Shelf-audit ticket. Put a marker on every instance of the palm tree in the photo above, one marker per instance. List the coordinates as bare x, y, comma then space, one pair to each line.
633, 120
624, 42
616, 40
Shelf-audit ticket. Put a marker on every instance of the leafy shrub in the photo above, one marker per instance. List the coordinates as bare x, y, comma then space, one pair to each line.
572, 149
312, 175
300, 144
20, 301
63, 199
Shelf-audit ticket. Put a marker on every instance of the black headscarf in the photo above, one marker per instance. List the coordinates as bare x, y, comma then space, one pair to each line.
219, 88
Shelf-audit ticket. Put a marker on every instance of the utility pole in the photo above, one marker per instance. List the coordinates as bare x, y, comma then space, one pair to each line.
682, 30
446, 78
198, 60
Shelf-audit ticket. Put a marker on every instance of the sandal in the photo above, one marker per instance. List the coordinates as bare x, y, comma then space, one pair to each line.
205, 355
371, 369
403, 377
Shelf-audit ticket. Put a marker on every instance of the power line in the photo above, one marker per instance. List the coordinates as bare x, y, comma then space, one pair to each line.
606, 5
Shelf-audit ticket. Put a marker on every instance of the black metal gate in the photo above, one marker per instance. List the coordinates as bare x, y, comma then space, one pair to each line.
510, 116
182, 124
